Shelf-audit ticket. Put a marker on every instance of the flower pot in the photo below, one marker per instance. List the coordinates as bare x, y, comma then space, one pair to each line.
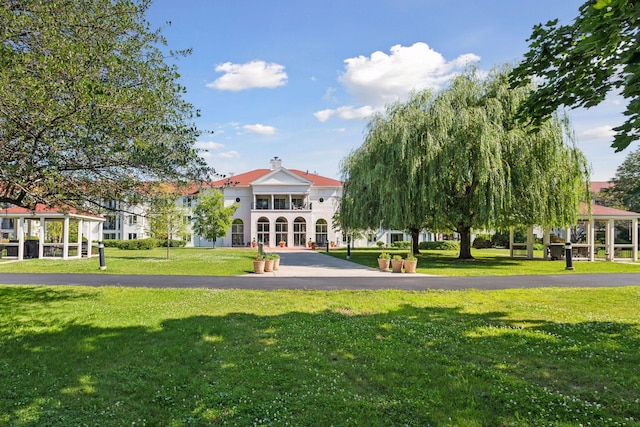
396, 265
383, 264
276, 264
410, 265
281, 244
258, 267
268, 265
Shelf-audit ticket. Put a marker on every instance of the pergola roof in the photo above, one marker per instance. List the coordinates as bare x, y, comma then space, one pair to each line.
48, 212
605, 212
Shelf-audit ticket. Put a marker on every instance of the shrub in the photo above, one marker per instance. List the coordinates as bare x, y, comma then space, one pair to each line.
173, 244
442, 245
111, 243
380, 243
482, 243
402, 244
137, 244
384, 255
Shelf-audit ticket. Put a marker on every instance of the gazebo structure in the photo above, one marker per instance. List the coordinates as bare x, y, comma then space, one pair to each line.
602, 233
47, 233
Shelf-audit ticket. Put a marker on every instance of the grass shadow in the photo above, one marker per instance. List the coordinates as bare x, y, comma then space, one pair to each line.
411, 366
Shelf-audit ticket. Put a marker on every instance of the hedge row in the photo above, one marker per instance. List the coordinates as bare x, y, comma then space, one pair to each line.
138, 244
442, 245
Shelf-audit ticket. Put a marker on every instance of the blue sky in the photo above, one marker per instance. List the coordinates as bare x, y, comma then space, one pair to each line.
300, 79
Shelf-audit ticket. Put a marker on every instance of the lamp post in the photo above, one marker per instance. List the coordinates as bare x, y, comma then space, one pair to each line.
567, 256
101, 255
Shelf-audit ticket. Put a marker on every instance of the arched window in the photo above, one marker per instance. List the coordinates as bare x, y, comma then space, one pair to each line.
263, 231
282, 230
321, 232
299, 232
237, 232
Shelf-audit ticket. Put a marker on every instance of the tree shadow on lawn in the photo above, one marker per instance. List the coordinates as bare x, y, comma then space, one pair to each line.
413, 366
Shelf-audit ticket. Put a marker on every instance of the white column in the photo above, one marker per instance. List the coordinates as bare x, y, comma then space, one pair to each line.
591, 239
546, 240
634, 238
65, 238
530, 242
511, 242
610, 239
89, 237
80, 225
20, 238
41, 243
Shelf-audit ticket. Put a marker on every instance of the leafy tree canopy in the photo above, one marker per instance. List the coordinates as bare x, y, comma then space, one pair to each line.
460, 160
212, 219
626, 187
578, 64
88, 109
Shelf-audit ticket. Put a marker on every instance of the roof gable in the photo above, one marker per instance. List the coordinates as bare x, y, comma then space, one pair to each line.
281, 176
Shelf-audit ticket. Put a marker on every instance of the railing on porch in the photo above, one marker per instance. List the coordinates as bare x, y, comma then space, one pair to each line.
286, 207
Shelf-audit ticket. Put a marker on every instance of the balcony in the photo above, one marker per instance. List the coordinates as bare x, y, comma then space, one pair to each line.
265, 205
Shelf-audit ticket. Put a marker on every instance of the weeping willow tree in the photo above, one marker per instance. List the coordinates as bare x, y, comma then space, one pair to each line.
460, 161
381, 186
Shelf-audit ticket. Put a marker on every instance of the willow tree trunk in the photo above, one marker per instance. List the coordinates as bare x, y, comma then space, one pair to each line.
415, 234
465, 242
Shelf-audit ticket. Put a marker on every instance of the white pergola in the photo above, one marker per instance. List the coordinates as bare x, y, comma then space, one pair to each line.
45, 233
601, 233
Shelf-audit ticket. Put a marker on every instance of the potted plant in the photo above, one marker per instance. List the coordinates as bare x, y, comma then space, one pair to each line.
410, 264
258, 264
253, 243
383, 261
282, 243
396, 264
268, 263
276, 261
309, 243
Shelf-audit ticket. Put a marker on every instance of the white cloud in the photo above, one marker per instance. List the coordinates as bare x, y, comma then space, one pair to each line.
209, 145
250, 75
384, 78
228, 155
260, 129
600, 132
347, 112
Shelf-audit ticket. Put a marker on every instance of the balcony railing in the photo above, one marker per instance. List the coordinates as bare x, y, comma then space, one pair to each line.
295, 207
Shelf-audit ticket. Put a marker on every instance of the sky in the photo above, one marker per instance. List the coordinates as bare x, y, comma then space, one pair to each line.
300, 79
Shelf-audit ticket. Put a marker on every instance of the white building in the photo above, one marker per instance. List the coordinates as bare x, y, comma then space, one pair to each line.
279, 205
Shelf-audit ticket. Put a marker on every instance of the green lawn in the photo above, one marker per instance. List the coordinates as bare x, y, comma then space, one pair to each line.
233, 262
189, 261
488, 262
72, 356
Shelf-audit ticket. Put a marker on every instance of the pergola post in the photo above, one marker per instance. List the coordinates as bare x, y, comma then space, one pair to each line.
610, 239
634, 238
65, 238
20, 236
511, 242
591, 239
80, 225
546, 241
41, 239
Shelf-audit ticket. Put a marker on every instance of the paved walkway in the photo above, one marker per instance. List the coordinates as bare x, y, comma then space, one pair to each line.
312, 270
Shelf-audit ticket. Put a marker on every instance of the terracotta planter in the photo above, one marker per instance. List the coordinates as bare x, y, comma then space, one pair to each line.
268, 265
396, 265
281, 244
410, 266
258, 267
383, 264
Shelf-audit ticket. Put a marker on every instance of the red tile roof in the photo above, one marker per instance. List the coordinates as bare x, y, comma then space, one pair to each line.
598, 210
245, 179
598, 186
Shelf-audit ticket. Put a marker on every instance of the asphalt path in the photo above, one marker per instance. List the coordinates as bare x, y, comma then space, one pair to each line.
312, 270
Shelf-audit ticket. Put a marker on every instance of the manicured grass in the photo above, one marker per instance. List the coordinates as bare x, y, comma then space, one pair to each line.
116, 357
188, 261
488, 262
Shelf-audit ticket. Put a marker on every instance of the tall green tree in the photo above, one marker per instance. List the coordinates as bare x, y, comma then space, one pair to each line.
626, 188
88, 108
576, 65
166, 218
462, 161
212, 219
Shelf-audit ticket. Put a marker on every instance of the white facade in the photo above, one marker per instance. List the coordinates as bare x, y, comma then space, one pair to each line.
279, 205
